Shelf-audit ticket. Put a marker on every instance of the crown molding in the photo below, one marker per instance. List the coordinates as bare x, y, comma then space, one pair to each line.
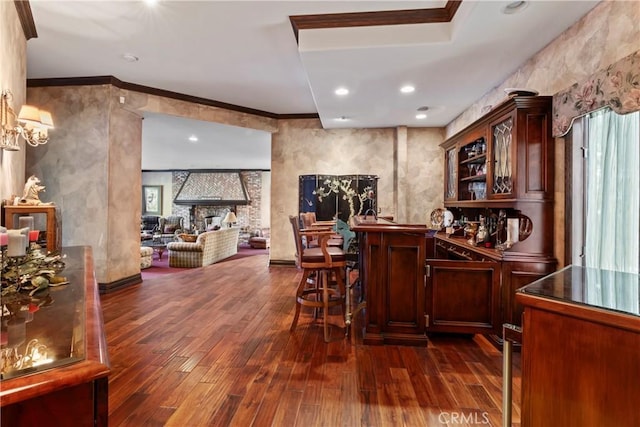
378, 18
26, 18
110, 80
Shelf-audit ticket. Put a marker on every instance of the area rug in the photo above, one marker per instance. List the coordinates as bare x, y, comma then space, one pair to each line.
160, 267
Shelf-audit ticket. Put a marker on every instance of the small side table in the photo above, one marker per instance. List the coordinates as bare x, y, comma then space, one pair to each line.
48, 210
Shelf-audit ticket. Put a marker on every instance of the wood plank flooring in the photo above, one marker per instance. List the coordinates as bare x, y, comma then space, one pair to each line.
212, 347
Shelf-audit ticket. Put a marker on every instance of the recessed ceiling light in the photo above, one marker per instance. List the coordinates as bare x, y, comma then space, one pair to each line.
423, 108
151, 2
407, 89
193, 138
129, 57
342, 91
514, 7
421, 116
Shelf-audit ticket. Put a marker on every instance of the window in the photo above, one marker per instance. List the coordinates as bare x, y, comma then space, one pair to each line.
605, 204
606, 201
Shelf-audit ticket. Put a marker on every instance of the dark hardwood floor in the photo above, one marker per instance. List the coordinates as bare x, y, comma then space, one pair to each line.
212, 347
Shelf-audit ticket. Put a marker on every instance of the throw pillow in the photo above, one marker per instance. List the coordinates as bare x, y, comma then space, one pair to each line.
187, 237
169, 229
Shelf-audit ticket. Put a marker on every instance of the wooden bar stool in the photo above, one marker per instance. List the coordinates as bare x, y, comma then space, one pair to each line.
309, 223
325, 263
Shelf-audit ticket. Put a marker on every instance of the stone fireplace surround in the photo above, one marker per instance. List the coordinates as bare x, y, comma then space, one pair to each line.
248, 214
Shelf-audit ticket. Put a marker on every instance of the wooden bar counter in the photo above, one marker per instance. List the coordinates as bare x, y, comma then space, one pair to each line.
71, 386
392, 272
581, 349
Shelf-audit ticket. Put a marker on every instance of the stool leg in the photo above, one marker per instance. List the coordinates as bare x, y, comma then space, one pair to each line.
325, 303
347, 297
299, 292
317, 284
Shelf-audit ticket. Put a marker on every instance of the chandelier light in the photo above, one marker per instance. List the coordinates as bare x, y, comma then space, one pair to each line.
32, 124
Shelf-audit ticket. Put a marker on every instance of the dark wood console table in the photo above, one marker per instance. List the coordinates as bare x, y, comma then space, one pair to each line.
71, 387
392, 273
580, 349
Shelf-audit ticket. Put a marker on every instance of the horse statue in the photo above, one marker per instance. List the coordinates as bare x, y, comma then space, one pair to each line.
30, 195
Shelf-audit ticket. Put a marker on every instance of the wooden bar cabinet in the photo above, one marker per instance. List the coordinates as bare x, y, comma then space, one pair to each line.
504, 161
580, 347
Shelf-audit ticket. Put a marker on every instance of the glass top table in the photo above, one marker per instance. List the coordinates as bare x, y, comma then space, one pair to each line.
45, 330
605, 289
158, 245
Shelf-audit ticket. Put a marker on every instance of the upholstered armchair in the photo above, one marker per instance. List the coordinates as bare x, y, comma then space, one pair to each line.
171, 226
149, 224
212, 223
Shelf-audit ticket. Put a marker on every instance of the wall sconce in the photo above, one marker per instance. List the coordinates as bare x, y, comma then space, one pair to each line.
32, 124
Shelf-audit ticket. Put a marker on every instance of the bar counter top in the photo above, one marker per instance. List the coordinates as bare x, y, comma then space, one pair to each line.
610, 291
371, 223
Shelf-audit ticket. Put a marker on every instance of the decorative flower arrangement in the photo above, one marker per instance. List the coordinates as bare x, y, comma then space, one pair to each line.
30, 273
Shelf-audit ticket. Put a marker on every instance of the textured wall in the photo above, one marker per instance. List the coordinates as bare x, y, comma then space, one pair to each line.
425, 166
603, 36
123, 193
409, 183
91, 167
13, 71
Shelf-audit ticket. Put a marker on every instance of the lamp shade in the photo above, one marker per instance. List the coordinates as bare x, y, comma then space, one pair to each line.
29, 115
230, 218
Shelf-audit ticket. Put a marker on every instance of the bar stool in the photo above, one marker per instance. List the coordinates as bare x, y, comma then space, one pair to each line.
327, 263
308, 222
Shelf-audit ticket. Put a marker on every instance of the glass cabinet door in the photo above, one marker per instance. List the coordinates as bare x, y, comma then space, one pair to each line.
472, 170
502, 157
451, 172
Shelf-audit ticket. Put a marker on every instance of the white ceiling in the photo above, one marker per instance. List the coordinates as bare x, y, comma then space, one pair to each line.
165, 144
245, 53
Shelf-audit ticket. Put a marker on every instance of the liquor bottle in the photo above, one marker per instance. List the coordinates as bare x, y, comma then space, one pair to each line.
483, 233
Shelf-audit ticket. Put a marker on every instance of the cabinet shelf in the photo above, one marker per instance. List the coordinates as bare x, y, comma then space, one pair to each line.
482, 203
479, 159
474, 178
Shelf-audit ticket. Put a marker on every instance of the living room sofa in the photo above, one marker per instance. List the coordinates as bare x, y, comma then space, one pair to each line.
209, 247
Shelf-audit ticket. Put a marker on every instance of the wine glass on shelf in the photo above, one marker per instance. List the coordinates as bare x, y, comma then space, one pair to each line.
472, 169
481, 191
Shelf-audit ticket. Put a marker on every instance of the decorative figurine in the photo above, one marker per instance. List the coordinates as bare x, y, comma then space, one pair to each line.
370, 205
30, 195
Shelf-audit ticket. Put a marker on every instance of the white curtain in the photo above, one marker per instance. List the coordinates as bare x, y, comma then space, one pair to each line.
612, 229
